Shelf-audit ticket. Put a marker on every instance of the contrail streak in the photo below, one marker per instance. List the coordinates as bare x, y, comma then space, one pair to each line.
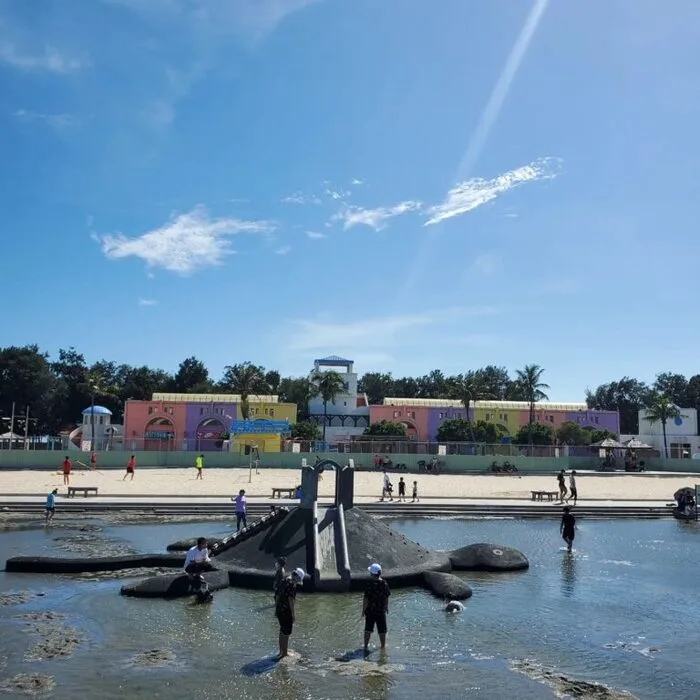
483, 129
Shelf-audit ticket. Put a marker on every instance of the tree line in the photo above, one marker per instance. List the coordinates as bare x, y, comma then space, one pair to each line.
57, 389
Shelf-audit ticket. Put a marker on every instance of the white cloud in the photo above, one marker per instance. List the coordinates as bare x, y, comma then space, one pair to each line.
373, 334
186, 243
315, 235
336, 195
284, 250
300, 198
477, 191
356, 181
148, 302
55, 121
485, 264
374, 218
48, 59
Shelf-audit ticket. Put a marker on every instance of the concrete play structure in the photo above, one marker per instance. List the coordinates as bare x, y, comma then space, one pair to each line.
333, 542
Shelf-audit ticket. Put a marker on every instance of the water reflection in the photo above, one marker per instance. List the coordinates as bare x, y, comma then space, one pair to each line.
568, 574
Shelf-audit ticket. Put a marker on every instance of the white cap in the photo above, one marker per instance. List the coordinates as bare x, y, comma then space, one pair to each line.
375, 569
299, 573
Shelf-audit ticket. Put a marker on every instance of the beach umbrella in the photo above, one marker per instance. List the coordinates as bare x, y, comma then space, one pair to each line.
635, 444
608, 443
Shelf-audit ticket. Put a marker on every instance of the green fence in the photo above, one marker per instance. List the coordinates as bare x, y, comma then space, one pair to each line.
452, 464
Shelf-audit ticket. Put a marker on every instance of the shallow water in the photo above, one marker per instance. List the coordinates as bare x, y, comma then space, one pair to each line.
621, 611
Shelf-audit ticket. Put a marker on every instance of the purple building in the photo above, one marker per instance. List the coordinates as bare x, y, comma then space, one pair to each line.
205, 423
437, 416
597, 420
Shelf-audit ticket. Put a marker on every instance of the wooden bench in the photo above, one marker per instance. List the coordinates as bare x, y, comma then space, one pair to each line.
277, 493
72, 490
544, 495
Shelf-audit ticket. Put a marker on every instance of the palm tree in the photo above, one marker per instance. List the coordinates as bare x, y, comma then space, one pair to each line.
471, 389
327, 385
529, 380
245, 379
660, 409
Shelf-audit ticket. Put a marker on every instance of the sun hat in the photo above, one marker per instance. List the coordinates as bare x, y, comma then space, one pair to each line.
375, 569
299, 573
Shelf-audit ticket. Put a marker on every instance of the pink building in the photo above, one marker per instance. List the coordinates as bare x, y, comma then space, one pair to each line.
153, 425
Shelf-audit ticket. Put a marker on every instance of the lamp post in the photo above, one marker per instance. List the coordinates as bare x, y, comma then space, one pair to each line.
12, 424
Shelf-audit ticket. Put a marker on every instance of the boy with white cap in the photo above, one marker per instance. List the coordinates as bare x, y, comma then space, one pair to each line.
285, 599
375, 605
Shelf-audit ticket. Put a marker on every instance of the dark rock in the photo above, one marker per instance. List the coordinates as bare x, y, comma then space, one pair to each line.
488, 557
153, 658
446, 585
28, 684
60, 565
174, 586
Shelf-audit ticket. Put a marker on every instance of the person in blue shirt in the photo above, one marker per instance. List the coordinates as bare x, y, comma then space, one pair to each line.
51, 506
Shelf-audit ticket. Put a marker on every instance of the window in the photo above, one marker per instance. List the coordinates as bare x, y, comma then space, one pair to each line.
345, 403
272, 413
398, 413
266, 412
488, 416
150, 410
441, 416
412, 414
596, 420
505, 417
201, 411
101, 420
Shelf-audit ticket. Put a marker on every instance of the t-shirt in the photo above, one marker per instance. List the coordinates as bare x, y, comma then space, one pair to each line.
198, 462
568, 522
572, 482
387, 482
560, 479
286, 592
377, 596
131, 463
51, 500
280, 575
194, 554
240, 504
66, 466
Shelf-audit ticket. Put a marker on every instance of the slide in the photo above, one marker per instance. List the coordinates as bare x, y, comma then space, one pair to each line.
75, 439
331, 567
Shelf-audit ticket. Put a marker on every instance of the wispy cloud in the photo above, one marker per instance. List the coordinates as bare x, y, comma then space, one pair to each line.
48, 59
335, 194
55, 121
284, 250
477, 191
301, 198
148, 302
186, 243
374, 218
315, 235
485, 264
356, 181
373, 334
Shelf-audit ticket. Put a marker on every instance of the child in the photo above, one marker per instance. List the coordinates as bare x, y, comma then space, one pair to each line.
130, 466
568, 528
66, 471
280, 573
402, 490
415, 492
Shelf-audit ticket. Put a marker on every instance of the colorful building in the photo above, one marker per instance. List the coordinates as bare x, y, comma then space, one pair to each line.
199, 422
423, 417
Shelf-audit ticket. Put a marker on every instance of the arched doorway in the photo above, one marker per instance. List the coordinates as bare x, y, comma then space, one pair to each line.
209, 435
158, 435
411, 430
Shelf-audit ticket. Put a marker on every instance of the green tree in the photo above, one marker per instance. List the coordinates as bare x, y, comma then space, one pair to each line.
306, 430
273, 380
140, 383
660, 409
470, 389
298, 390
596, 435
627, 396
461, 430
71, 371
192, 377
327, 385
247, 380
570, 433
386, 428
530, 382
534, 434
377, 386
405, 388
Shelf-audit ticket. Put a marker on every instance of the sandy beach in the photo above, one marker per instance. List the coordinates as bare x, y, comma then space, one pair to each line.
226, 482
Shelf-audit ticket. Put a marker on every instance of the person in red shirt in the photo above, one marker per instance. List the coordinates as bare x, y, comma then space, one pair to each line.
130, 466
66, 470
93, 460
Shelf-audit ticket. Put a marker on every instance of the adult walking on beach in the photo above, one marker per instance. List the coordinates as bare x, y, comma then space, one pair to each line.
285, 607
573, 493
567, 529
375, 605
130, 467
51, 506
199, 466
561, 480
240, 501
67, 464
387, 488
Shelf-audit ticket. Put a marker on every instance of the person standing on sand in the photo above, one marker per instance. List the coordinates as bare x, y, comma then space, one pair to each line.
567, 528
561, 480
375, 605
240, 501
285, 607
66, 471
415, 493
93, 460
572, 487
51, 506
130, 466
199, 466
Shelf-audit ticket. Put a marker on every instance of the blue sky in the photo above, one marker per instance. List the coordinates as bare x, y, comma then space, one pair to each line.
414, 185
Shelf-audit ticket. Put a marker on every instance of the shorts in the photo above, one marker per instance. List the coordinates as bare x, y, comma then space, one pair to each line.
50, 510
402, 491
286, 623
378, 619
573, 493
568, 535
129, 470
